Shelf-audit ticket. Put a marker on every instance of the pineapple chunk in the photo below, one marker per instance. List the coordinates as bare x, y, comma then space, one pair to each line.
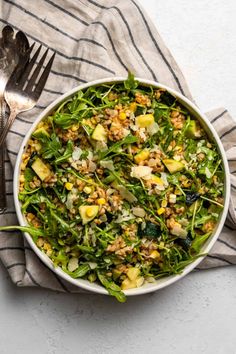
193, 130
41, 169
40, 132
141, 156
99, 133
133, 273
88, 212
128, 284
133, 279
131, 284
145, 120
173, 166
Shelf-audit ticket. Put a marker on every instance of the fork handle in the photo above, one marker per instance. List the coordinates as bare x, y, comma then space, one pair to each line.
3, 202
7, 127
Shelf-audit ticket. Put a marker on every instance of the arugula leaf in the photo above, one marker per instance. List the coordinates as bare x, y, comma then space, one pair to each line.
50, 146
63, 224
64, 120
130, 83
198, 242
67, 153
33, 231
112, 288
29, 175
129, 139
37, 198
79, 272
60, 259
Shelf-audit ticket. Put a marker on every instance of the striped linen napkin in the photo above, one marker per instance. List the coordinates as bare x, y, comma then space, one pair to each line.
96, 39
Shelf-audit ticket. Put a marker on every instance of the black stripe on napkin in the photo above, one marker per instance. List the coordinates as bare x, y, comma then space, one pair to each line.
80, 59
61, 283
219, 116
32, 278
41, 20
14, 248
111, 41
15, 265
130, 34
54, 27
23, 120
16, 133
227, 244
220, 259
66, 12
228, 132
69, 76
12, 152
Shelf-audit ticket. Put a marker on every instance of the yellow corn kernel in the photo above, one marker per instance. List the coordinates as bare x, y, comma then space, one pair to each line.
47, 246
133, 106
30, 217
215, 179
38, 146
87, 190
177, 191
122, 116
40, 125
164, 203
74, 127
90, 211
40, 242
155, 255
160, 211
141, 156
49, 253
22, 178
101, 201
178, 148
187, 183
69, 186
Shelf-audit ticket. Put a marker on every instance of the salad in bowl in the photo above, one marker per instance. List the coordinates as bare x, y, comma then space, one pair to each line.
120, 185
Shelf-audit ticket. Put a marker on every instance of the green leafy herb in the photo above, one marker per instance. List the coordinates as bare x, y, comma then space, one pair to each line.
112, 288
130, 83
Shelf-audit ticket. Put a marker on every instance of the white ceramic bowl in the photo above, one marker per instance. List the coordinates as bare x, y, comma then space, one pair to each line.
166, 280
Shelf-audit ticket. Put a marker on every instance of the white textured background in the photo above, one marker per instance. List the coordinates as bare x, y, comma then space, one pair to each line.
196, 315
201, 35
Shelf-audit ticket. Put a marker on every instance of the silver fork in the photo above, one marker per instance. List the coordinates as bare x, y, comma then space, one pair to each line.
12, 47
25, 86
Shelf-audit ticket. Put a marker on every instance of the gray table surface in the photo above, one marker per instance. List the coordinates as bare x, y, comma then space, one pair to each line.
197, 314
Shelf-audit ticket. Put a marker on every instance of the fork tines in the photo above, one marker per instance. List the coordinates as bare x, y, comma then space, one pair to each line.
27, 78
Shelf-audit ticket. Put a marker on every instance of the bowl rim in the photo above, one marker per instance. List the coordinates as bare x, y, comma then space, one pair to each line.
95, 287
